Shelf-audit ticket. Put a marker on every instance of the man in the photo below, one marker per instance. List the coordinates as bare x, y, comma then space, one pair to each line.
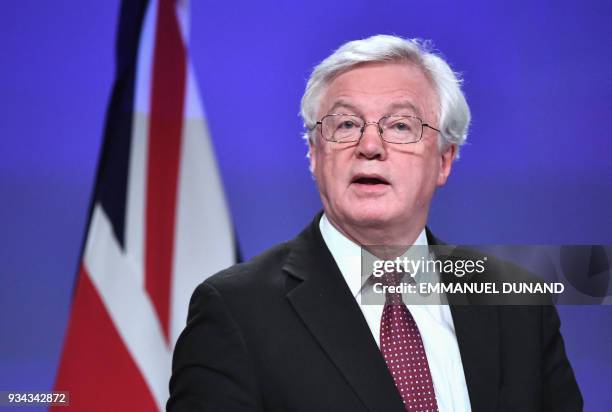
285, 331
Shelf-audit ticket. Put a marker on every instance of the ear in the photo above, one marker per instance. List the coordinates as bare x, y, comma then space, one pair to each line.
447, 156
312, 155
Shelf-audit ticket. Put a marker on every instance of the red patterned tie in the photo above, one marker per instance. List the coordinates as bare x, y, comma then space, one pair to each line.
402, 348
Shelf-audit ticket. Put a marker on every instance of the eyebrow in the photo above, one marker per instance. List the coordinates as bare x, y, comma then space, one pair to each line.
395, 106
406, 105
343, 104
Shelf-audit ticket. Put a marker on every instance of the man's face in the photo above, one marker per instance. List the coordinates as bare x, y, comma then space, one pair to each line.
371, 184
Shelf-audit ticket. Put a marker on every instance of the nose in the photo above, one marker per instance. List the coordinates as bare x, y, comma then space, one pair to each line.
371, 145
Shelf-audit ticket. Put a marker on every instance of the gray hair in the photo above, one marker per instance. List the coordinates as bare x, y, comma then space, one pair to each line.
454, 113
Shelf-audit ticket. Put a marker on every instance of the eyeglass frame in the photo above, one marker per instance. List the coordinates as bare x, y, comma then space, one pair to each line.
379, 128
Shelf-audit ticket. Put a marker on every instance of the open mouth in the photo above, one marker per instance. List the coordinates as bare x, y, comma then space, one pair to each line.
370, 180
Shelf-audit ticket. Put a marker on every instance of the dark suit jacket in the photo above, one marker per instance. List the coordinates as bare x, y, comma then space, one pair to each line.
283, 332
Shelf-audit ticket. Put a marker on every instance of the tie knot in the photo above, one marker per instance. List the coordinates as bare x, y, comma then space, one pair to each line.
392, 280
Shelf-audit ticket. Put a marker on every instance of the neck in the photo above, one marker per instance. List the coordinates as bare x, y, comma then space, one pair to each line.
381, 235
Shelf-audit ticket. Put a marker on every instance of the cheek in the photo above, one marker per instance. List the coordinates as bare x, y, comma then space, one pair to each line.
418, 178
411, 183
329, 167
323, 169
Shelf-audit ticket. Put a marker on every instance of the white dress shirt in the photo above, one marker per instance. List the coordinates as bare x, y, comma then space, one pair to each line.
435, 323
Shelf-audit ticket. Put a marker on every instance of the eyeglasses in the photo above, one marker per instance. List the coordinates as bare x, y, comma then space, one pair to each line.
347, 128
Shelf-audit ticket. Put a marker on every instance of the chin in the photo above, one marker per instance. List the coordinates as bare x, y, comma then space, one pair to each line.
371, 216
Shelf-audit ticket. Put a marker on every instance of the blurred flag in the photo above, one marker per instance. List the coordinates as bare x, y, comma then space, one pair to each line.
158, 221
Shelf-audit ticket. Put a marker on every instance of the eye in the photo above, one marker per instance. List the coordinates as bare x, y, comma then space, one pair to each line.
402, 127
347, 125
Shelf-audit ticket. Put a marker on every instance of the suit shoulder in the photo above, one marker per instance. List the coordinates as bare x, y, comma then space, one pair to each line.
496, 268
255, 272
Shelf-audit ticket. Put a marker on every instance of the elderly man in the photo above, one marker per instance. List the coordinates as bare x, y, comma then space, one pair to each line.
284, 332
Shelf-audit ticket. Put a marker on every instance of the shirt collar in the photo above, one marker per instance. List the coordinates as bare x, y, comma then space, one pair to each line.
347, 253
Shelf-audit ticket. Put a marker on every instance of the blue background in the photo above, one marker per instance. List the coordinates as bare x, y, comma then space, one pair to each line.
537, 167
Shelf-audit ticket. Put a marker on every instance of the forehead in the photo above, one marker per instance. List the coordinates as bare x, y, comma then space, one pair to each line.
377, 88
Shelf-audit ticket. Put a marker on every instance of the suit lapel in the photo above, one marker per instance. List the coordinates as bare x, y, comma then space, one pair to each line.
330, 312
477, 331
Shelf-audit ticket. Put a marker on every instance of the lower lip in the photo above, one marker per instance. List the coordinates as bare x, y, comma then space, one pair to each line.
370, 189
